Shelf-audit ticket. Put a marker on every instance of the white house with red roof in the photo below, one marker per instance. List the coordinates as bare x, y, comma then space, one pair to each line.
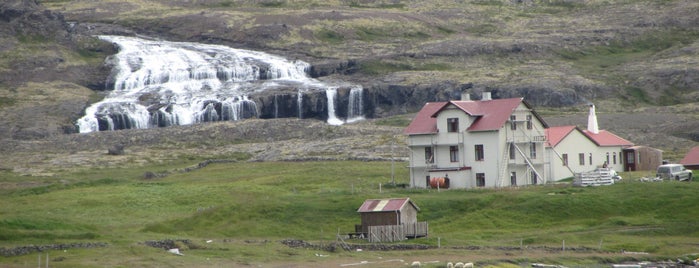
573, 150
484, 143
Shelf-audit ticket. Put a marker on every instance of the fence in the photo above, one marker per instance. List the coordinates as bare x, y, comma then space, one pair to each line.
391, 233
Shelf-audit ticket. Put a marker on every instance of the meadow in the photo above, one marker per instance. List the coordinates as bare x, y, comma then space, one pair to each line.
236, 214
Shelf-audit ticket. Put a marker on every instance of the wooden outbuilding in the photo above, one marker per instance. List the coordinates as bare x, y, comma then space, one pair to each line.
637, 158
691, 159
396, 213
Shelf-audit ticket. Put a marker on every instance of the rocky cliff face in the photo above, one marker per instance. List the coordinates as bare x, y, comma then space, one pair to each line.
52, 66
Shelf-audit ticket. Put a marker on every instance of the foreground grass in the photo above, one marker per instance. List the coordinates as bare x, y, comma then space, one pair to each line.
244, 209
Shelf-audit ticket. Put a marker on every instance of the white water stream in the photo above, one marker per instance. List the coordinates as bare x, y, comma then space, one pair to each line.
161, 83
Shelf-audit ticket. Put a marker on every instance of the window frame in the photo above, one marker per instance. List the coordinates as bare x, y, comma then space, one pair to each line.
453, 124
429, 155
479, 152
480, 179
454, 154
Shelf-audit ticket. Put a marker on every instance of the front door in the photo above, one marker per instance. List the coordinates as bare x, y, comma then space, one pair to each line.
630, 160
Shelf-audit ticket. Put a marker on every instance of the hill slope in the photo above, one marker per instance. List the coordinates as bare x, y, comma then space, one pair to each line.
246, 210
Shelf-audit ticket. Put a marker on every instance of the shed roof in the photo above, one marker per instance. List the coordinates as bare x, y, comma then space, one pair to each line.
490, 114
606, 138
692, 157
384, 205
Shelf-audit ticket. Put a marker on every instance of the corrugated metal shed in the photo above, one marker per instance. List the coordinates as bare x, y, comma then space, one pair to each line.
384, 205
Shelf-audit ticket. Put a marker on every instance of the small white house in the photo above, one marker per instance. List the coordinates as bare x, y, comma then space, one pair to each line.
572, 150
483, 143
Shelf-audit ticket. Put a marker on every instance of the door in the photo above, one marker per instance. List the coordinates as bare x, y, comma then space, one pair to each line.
630, 160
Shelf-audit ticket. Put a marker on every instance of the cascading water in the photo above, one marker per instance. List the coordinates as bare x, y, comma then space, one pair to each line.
356, 105
160, 83
332, 118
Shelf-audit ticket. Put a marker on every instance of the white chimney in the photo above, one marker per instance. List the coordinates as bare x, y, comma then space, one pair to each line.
592, 121
486, 96
465, 96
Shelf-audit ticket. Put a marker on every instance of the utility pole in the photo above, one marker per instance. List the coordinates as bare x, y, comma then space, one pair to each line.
393, 165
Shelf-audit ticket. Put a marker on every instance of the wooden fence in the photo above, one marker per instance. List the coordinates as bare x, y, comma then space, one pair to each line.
391, 233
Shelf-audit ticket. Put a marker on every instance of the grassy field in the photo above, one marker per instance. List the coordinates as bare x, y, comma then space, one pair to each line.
244, 209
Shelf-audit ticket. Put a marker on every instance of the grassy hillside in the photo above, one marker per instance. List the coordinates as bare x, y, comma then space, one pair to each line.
246, 208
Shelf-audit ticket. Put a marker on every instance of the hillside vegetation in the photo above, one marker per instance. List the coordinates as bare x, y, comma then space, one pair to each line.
246, 209
245, 186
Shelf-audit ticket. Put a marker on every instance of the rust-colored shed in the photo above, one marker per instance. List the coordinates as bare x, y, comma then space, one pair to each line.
691, 159
638, 158
393, 211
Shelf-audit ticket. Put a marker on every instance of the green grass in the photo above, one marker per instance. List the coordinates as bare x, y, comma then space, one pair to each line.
312, 201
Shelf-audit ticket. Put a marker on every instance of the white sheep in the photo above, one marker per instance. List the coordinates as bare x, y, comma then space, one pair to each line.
468, 265
459, 265
450, 265
415, 264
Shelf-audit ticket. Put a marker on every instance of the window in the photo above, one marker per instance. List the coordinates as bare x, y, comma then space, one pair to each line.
533, 176
454, 153
529, 121
429, 156
565, 159
513, 178
480, 179
512, 151
452, 125
614, 157
621, 159
581, 157
607, 162
532, 150
479, 152
513, 122
630, 156
590, 156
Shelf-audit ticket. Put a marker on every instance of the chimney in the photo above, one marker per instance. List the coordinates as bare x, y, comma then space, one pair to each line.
486, 96
592, 121
465, 96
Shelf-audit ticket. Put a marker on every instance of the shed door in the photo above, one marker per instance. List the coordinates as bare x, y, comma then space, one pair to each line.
629, 160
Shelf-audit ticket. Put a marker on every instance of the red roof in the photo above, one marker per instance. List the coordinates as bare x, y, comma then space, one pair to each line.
606, 138
691, 158
384, 205
491, 114
424, 123
554, 135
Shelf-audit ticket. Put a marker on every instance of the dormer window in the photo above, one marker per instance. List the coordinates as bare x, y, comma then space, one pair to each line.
529, 121
513, 122
452, 124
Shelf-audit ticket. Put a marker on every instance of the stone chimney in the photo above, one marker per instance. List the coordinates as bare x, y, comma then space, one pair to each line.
592, 121
486, 96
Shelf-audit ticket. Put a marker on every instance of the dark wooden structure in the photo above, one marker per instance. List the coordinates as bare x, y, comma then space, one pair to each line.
401, 213
638, 158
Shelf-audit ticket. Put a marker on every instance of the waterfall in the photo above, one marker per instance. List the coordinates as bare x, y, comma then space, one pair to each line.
355, 109
299, 104
162, 83
331, 93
